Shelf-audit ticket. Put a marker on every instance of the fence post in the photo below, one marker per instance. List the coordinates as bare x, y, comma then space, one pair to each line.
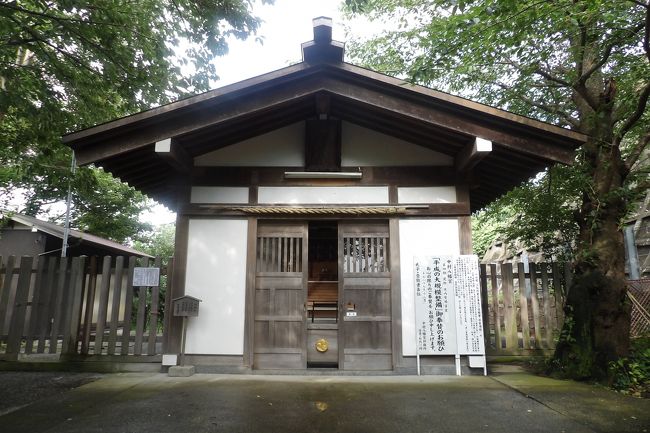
510, 313
484, 306
153, 314
495, 307
534, 303
523, 305
168, 303
36, 309
5, 308
17, 324
102, 308
90, 305
73, 316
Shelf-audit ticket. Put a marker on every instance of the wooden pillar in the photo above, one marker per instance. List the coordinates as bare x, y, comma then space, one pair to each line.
464, 222
173, 338
396, 292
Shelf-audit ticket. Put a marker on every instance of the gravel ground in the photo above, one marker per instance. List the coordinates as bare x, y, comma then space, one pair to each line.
18, 389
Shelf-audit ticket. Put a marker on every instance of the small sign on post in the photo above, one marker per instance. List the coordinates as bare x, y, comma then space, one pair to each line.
149, 277
185, 306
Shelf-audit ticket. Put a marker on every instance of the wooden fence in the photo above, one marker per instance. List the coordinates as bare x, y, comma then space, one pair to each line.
639, 294
522, 311
88, 308
80, 307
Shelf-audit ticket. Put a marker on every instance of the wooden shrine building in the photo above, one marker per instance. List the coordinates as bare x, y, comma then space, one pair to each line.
302, 197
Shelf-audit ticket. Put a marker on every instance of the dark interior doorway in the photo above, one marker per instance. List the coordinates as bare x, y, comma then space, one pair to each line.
322, 295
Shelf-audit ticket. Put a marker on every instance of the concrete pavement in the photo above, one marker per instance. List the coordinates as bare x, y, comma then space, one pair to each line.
507, 402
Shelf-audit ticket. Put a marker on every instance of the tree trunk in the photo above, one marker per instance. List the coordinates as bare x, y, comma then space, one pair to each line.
597, 325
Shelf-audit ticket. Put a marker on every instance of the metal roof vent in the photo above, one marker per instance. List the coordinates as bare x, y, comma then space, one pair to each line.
322, 48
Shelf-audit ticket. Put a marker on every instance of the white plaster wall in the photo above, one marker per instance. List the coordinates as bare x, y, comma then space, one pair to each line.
420, 237
427, 194
283, 147
216, 274
323, 195
219, 194
364, 147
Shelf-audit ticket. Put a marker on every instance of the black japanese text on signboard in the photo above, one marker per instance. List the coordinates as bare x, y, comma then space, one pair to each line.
448, 305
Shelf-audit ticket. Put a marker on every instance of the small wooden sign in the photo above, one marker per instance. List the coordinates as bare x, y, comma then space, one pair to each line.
185, 306
146, 277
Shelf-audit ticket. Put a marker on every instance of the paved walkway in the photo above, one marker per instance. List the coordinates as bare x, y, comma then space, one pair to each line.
506, 402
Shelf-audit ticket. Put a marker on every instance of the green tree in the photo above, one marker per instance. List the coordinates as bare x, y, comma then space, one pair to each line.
158, 242
67, 65
539, 213
583, 64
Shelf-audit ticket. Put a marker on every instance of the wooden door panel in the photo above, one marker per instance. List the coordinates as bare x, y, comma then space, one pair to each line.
364, 270
280, 296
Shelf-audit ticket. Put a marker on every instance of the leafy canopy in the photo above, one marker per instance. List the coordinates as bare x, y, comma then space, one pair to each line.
579, 64
67, 65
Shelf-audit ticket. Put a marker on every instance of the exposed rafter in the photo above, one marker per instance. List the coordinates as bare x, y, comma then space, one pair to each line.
170, 151
472, 154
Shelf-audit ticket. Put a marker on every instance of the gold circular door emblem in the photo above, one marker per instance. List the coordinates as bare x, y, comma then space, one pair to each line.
322, 345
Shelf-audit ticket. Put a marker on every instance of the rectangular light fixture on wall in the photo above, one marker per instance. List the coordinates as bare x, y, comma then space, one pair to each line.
322, 175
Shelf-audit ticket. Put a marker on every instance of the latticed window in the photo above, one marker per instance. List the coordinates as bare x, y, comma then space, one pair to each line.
279, 254
365, 254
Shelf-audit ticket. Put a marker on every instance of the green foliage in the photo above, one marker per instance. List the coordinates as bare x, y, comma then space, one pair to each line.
632, 374
158, 242
539, 213
70, 65
579, 64
511, 54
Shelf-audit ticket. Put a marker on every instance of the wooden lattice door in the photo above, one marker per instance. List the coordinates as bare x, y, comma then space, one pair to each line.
364, 274
279, 340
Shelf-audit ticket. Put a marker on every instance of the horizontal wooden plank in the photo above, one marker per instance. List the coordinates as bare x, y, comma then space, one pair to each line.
267, 283
278, 361
367, 351
278, 350
113, 358
353, 281
274, 318
366, 318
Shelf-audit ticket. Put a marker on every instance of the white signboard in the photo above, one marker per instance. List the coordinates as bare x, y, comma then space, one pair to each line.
448, 306
146, 276
469, 320
434, 305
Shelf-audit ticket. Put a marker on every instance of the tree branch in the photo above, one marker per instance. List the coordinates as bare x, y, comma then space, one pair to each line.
44, 41
553, 78
555, 111
53, 17
636, 115
585, 75
646, 38
636, 153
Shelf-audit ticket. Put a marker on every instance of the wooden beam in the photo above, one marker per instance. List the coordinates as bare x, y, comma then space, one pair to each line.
170, 151
472, 154
322, 101
323, 144
395, 105
274, 176
431, 210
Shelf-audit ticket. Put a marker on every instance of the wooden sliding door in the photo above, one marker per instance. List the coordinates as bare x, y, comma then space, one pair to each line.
364, 275
280, 296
